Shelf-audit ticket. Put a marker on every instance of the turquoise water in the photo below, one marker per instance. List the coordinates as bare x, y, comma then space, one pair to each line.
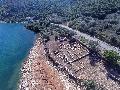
15, 43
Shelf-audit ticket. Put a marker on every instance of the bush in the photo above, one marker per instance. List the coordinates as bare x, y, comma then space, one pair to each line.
91, 85
112, 57
94, 46
46, 38
83, 40
32, 28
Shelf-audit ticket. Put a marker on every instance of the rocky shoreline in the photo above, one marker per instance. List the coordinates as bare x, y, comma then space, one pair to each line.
36, 73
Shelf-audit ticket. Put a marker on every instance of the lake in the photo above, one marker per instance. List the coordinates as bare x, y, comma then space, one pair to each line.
15, 43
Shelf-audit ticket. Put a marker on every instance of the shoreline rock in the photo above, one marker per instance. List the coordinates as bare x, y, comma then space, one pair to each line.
36, 73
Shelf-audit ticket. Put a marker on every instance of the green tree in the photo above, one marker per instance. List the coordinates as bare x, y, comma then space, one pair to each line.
112, 57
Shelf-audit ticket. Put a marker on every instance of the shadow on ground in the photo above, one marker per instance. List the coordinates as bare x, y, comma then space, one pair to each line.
113, 72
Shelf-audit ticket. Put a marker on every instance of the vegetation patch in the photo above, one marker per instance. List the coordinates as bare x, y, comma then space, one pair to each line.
112, 57
91, 85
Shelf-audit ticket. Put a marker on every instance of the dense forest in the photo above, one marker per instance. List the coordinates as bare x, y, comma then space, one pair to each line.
18, 10
99, 18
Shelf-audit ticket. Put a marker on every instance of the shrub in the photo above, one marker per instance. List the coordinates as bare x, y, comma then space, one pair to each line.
114, 41
112, 57
83, 40
89, 84
92, 85
94, 46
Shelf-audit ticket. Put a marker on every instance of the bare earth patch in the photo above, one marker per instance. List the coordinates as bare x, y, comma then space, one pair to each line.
38, 72
77, 60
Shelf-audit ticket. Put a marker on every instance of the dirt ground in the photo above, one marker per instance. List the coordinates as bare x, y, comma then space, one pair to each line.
85, 67
37, 74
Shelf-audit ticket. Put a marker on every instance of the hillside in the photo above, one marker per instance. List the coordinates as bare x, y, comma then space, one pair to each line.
18, 10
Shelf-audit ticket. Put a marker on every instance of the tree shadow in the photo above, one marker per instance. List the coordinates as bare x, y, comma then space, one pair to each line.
113, 72
94, 58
